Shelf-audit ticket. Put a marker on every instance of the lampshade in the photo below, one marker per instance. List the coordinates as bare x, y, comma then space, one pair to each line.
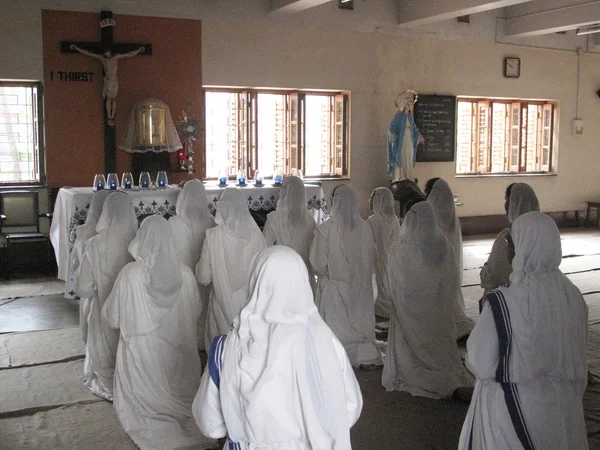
150, 129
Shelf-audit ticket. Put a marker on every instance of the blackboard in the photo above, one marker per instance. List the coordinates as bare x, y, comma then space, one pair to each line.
435, 116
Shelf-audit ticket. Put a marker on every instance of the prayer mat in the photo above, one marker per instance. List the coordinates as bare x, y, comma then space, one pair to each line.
31, 287
73, 427
40, 347
27, 390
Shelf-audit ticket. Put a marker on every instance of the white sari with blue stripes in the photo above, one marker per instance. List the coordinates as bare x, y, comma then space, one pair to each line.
528, 352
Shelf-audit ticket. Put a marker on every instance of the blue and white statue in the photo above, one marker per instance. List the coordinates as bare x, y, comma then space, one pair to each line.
403, 138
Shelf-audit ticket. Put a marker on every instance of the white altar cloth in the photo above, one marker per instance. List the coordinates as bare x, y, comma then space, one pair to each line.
71, 206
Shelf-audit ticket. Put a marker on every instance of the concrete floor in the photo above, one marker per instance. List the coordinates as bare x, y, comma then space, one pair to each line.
389, 420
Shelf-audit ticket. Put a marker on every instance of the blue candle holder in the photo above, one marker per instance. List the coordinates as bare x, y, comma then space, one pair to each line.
223, 181
242, 181
99, 186
277, 180
127, 185
161, 183
113, 186
144, 184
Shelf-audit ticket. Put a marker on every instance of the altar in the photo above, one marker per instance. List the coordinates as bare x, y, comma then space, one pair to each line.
72, 203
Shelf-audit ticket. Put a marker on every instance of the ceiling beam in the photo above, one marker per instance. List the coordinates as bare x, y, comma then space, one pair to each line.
292, 6
422, 12
552, 20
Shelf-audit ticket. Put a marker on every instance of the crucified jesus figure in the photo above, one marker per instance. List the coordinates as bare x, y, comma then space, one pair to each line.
110, 63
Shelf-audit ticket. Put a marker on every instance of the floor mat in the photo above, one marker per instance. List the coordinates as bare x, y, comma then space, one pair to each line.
31, 287
29, 389
40, 347
81, 426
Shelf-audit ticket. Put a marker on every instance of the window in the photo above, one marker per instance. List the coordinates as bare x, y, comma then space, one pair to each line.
20, 133
504, 136
276, 130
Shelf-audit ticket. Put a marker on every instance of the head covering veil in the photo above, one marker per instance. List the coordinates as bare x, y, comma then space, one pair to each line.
153, 248
548, 316
346, 222
280, 343
522, 200
234, 219
116, 229
88, 229
191, 208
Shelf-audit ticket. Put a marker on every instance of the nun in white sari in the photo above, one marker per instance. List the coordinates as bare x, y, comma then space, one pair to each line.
422, 358
442, 201
84, 233
225, 262
292, 224
280, 379
519, 199
104, 257
343, 256
188, 228
386, 227
528, 351
155, 305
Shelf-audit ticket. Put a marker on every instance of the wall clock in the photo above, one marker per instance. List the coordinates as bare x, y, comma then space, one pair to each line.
512, 67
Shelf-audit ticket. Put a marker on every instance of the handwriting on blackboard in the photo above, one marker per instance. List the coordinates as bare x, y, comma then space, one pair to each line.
73, 76
435, 116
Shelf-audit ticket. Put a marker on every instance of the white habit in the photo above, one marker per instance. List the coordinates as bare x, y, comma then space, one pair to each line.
188, 228
280, 379
423, 358
291, 224
155, 305
343, 256
385, 226
225, 262
496, 271
528, 351
104, 257
84, 233
442, 202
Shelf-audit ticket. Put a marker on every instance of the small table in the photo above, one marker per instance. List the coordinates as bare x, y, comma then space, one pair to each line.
71, 207
593, 204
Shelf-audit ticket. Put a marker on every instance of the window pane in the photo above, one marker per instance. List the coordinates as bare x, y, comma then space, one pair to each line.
221, 132
339, 116
499, 159
272, 133
294, 107
533, 160
318, 135
464, 137
18, 135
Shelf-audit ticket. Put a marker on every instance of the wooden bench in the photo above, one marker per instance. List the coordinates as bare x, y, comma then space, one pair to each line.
595, 204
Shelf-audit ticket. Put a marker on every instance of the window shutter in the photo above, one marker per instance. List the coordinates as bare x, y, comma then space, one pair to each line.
340, 133
547, 129
515, 134
483, 137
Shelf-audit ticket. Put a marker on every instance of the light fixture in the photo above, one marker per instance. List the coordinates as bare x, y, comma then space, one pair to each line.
588, 30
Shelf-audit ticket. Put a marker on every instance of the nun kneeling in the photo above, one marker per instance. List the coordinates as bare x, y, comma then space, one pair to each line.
279, 379
423, 358
155, 304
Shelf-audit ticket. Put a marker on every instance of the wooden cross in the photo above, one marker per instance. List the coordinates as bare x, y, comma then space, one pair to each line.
97, 49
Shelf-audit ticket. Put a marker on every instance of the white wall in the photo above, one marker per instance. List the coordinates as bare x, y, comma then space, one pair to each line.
375, 67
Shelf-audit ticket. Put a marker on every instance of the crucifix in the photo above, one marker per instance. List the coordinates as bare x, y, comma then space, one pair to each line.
109, 53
